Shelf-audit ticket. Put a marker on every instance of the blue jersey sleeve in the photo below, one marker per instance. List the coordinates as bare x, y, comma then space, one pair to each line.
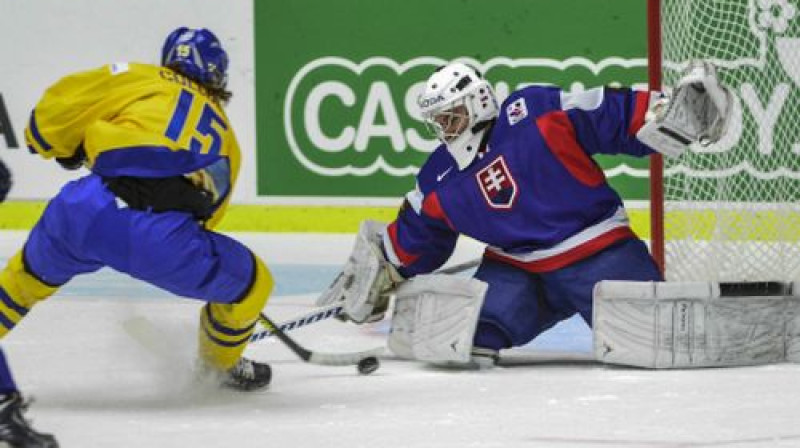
605, 120
421, 238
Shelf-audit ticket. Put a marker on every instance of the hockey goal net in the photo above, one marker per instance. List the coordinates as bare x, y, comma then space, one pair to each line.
731, 210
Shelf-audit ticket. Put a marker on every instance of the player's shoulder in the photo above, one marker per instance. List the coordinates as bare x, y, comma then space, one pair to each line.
113, 69
156, 77
110, 75
435, 169
529, 102
136, 71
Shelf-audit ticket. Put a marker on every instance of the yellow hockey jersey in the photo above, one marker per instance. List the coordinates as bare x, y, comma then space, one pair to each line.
139, 120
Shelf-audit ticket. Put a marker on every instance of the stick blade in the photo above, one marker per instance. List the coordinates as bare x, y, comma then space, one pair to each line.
343, 359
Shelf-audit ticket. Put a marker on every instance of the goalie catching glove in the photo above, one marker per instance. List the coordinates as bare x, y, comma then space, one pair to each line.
697, 111
367, 279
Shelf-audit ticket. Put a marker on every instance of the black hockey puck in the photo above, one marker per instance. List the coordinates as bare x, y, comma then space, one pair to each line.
368, 365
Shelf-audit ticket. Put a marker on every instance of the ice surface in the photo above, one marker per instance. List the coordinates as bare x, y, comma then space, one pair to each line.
97, 387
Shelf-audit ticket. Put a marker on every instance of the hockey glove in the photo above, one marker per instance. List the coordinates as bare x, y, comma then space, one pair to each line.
75, 161
367, 279
698, 111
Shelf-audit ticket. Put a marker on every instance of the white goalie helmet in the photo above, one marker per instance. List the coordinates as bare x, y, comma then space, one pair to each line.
458, 105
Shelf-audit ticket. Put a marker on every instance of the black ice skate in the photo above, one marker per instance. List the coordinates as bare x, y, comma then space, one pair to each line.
247, 375
15, 431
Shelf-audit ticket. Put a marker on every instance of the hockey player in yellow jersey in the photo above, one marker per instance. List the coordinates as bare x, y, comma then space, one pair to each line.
163, 161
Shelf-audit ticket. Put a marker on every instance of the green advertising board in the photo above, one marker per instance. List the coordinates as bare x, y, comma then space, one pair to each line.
337, 82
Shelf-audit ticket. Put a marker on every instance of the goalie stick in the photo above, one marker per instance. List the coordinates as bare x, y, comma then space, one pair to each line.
335, 309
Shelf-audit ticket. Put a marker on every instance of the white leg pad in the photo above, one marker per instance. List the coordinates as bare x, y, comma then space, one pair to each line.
691, 324
435, 317
793, 325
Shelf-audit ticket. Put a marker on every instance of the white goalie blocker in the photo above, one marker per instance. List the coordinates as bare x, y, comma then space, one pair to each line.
435, 318
698, 111
367, 278
665, 325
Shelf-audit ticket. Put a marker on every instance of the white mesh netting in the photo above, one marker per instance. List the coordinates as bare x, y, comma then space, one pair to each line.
732, 209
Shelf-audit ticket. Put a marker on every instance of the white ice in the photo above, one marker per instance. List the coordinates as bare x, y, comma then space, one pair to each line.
96, 387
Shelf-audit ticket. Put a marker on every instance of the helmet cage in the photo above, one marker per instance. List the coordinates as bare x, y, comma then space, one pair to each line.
447, 124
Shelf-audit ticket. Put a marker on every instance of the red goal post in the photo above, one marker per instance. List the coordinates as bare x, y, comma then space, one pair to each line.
656, 160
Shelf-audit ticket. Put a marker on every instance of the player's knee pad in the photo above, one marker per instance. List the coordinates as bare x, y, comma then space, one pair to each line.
226, 328
19, 291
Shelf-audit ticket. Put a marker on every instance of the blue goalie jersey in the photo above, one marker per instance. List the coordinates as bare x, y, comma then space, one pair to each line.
534, 194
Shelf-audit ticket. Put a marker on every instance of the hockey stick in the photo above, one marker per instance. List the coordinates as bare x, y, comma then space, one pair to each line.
315, 315
335, 309
315, 357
